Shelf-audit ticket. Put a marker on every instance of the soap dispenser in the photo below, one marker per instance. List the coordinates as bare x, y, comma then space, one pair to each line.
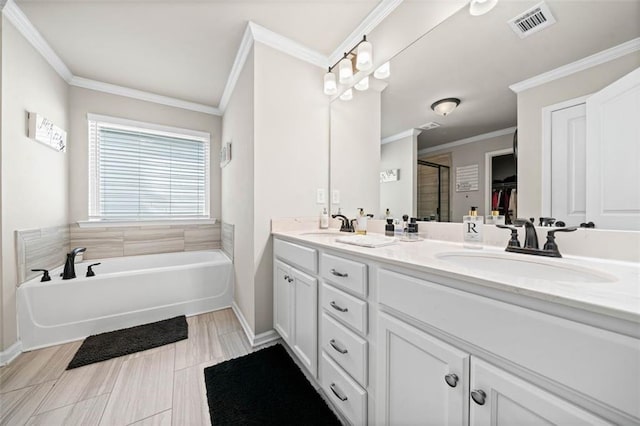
472, 229
361, 222
324, 219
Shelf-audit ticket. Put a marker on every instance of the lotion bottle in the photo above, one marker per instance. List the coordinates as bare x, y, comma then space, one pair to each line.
324, 219
472, 229
361, 223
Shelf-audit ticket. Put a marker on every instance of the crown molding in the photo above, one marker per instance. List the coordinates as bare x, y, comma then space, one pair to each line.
401, 135
477, 138
19, 20
236, 68
599, 58
288, 46
127, 92
372, 20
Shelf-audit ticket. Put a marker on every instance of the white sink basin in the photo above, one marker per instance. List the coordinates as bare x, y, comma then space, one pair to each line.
534, 268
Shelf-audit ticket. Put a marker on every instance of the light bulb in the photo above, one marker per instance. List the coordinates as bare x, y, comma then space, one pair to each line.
362, 84
383, 71
345, 71
364, 61
347, 95
330, 86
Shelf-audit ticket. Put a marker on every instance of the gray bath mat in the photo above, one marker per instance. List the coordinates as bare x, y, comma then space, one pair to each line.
104, 346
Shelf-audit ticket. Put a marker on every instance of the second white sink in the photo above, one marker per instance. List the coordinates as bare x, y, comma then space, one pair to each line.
533, 268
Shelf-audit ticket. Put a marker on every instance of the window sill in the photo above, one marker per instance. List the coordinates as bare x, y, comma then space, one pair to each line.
127, 223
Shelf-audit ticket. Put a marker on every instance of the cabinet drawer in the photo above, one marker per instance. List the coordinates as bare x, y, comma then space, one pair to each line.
344, 273
345, 394
346, 308
294, 254
346, 348
572, 354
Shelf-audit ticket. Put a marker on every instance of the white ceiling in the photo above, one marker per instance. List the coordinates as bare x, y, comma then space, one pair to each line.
180, 49
477, 58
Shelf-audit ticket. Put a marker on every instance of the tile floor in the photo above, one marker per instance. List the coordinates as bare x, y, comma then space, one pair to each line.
161, 386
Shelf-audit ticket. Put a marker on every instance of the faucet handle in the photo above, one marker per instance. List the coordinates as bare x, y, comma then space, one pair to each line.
513, 241
45, 275
551, 239
90, 272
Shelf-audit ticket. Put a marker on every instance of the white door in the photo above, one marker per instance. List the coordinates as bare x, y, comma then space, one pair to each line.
283, 285
568, 164
305, 319
421, 380
499, 398
613, 155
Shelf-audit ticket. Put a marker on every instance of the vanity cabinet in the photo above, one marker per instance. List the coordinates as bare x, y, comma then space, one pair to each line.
295, 301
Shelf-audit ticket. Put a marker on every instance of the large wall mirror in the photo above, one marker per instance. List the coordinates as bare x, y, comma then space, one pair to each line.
437, 166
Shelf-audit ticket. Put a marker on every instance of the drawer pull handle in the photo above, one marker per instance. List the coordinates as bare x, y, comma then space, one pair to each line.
451, 379
478, 396
336, 393
335, 306
339, 274
332, 342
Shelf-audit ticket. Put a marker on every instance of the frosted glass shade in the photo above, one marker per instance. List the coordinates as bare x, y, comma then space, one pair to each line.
445, 106
362, 84
345, 71
480, 7
330, 86
364, 61
347, 95
383, 71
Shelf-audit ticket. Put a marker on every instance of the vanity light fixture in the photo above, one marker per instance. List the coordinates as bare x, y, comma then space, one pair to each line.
347, 95
361, 54
480, 7
445, 106
383, 71
363, 84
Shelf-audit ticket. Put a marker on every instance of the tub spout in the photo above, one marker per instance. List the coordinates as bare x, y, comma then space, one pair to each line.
69, 266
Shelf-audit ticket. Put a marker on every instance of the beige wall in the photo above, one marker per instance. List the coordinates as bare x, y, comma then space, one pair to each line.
238, 186
400, 197
34, 177
466, 155
355, 152
83, 101
530, 104
291, 156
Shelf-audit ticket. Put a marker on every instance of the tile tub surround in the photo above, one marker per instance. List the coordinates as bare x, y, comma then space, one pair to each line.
113, 241
43, 248
227, 239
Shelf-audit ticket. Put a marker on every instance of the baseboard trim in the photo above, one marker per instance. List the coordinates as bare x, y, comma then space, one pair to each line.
10, 353
254, 340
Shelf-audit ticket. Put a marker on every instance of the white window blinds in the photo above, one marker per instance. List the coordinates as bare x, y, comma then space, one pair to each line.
142, 171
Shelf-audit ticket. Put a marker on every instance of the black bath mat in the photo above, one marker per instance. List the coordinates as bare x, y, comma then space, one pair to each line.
104, 346
264, 388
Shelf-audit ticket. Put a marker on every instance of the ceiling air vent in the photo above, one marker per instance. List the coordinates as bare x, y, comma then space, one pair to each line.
533, 20
428, 126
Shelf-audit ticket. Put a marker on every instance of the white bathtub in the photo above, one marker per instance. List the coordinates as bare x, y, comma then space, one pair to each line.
126, 291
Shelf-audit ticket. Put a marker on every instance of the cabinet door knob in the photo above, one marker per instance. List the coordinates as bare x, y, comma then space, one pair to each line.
478, 396
333, 344
336, 393
451, 379
335, 306
339, 274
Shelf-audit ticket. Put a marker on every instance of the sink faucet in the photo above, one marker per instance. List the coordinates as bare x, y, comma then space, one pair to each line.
69, 266
346, 225
530, 236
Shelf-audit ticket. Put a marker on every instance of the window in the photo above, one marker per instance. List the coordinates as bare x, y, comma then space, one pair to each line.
140, 171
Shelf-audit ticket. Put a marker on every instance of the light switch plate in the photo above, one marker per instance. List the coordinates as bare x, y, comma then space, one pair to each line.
320, 196
335, 196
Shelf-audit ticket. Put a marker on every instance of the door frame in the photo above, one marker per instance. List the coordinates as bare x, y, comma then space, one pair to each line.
545, 164
488, 172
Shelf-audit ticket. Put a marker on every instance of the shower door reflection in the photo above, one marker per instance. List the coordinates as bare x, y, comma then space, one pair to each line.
433, 191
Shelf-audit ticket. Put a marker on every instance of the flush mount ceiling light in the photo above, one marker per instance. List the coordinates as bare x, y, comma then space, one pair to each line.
480, 7
383, 71
445, 106
361, 54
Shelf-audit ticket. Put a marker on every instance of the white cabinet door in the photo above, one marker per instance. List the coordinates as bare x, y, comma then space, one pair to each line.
412, 370
305, 319
282, 299
613, 155
499, 398
568, 164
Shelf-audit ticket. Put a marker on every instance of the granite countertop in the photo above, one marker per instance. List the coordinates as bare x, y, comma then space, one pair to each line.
616, 295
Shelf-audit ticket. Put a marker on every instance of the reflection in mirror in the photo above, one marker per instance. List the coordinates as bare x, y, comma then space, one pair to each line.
477, 59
